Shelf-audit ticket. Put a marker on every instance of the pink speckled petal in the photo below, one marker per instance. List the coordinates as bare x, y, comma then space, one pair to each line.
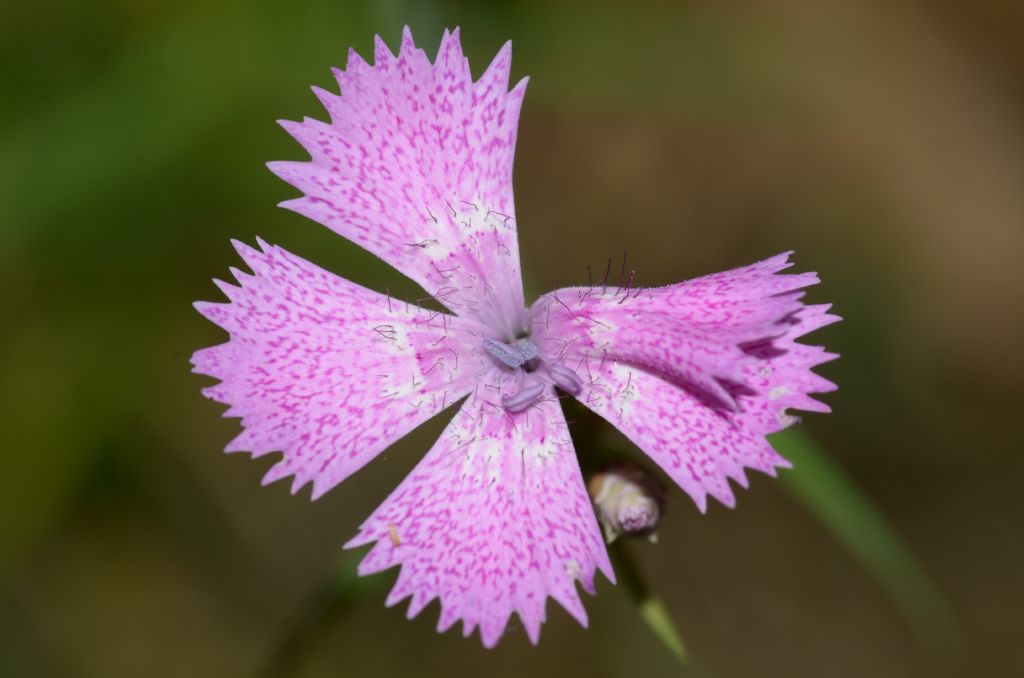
696, 374
493, 520
781, 379
327, 371
416, 167
692, 332
699, 447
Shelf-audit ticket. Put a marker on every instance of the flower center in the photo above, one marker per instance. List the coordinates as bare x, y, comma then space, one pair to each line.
523, 354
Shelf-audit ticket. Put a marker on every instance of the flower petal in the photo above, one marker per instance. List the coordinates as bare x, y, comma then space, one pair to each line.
692, 333
782, 377
493, 520
416, 167
696, 374
327, 371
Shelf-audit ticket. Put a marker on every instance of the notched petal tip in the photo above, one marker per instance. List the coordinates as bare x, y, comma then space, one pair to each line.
298, 482
275, 473
232, 292
827, 357
323, 95
417, 604
520, 89
780, 261
214, 311
297, 205
498, 71
532, 627
447, 618
490, 636
293, 127
381, 52
320, 488
726, 496
605, 566
248, 253
243, 278
354, 61
360, 539
339, 77
284, 169
572, 604
450, 47
780, 462
741, 478
330, 101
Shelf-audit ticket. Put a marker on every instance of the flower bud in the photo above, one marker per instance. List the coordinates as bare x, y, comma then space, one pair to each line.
627, 500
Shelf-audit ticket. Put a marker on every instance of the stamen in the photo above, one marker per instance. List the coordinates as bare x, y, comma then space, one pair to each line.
513, 355
526, 348
526, 396
566, 379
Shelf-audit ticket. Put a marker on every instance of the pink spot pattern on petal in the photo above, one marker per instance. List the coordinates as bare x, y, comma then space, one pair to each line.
415, 165
328, 371
696, 374
492, 521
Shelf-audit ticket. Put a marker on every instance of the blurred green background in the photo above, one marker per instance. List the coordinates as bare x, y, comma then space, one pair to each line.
882, 141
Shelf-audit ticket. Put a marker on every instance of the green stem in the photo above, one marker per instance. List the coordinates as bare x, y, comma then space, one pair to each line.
650, 607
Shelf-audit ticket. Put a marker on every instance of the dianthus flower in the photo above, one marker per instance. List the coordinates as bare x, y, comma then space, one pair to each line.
415, 166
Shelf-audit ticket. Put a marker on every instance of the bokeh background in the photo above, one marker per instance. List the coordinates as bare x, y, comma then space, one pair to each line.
883, 141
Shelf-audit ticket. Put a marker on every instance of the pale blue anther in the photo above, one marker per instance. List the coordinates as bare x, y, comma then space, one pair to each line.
526, 348
514, 355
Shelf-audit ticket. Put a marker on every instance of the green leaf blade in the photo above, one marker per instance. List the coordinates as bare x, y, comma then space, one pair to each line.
824, 490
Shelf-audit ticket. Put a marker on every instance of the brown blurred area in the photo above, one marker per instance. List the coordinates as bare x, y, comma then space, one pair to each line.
883, 142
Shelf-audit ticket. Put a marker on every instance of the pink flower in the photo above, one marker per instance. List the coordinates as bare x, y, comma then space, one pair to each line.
416, 167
